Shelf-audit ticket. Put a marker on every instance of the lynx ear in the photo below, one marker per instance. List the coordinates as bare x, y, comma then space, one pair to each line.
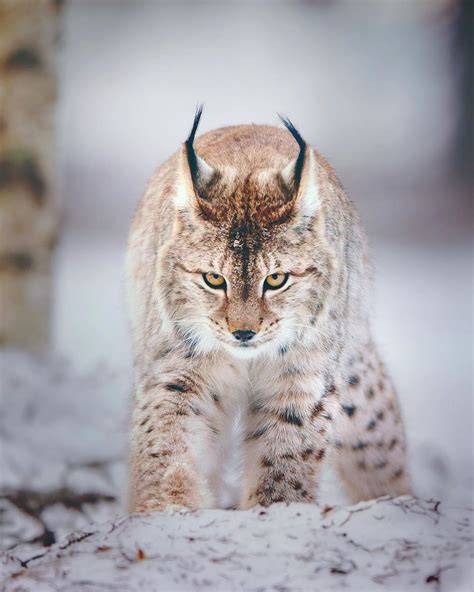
300, 176
194, 174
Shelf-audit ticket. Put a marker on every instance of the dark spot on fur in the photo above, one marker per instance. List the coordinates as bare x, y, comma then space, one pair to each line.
370, 394
353, 380
393, 443
360, 445
195, 410
381, 385
349, 410
330, 390
380, 465
293, 370
317, 409
144, 421
327, 416
297, 485
23, 58
283, 349
22, 168
278, 476
16, 262
178, 388
258, 433
307, 453
288, 456
291, 417
269, 490
267, 462
149, 430
398, 473
338, 444
371, 425
216, 399
380, 415
361, 465
256, 406
320, 454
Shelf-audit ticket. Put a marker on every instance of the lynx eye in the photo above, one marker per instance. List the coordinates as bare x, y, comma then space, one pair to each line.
214, 280
275, 281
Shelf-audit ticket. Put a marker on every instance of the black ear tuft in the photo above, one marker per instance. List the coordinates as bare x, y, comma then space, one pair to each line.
192, 158
301, 143
293, 131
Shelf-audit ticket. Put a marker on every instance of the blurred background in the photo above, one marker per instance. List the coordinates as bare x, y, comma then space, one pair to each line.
383, 89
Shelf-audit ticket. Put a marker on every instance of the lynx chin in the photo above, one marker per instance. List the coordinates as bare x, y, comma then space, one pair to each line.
248, 281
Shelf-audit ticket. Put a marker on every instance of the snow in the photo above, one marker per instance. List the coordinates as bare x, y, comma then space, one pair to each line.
394, 544
60, 429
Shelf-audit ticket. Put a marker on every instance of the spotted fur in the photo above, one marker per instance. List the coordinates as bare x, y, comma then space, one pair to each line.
245, 202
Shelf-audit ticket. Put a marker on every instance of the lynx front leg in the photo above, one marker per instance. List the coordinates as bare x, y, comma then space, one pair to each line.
370, 439
285, 446
174, 423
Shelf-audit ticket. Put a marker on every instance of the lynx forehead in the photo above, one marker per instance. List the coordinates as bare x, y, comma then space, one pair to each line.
252, 197
248, 285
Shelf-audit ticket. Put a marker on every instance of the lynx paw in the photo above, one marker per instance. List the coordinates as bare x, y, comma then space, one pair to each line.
179, 491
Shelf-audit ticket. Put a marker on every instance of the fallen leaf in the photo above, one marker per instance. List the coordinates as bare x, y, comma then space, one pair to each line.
140, 555
103, 548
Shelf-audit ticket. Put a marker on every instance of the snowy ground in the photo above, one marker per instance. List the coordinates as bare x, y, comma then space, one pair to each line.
402, 544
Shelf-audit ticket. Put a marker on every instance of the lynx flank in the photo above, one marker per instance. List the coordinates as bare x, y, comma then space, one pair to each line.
248, 286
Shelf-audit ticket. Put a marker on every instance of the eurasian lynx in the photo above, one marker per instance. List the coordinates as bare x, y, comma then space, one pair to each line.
248, 277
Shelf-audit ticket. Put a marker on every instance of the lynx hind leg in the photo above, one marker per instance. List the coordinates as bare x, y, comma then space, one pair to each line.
370, 455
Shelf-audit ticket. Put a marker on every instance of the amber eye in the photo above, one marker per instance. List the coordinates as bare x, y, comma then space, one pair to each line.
214, 280
275, 281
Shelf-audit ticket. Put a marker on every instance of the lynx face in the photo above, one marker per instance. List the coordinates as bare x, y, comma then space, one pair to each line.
236, 280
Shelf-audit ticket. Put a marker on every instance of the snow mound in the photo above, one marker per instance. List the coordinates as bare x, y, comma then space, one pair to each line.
397, 544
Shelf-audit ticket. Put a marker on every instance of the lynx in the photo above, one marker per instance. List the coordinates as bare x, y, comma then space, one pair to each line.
248, 281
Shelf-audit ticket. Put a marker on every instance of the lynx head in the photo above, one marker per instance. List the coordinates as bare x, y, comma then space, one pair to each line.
247, 267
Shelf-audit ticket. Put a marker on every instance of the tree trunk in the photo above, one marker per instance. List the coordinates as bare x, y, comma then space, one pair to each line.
29, 208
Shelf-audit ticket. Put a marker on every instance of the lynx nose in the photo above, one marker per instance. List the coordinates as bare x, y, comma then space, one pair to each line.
243, 335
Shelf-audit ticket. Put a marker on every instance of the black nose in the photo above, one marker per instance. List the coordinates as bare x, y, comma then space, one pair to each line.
243, 335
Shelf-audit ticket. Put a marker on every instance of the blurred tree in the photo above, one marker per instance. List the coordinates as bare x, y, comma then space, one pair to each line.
464, 38
29, 209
